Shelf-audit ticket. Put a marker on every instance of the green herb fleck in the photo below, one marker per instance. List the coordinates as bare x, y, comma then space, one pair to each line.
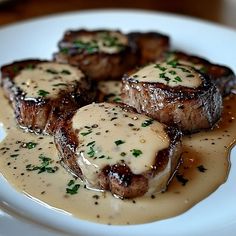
147, 123
91, 143
123, 154
65, 72
119, 142
158, 66
172, 72
89, 47
30, 145
136, 152
86, 133
117, 99
51, 71
44, 165
42, 93
173, 63
162, 75
177, 78
74, 189
59, 84
91, 152
71, 182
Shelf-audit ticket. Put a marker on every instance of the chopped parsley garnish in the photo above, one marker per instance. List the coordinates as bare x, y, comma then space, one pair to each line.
91, 143
73, 188
110, 41
71, 182
178, 79
119, 142
89, 47
181, 179
173, 63
91, 152
136, 152
59, 84
117, 99
86, 133
29, 145
51, 71
42, 93
65, 72
201, 168
162, 68
147, 123
123, 154
44, 165
172, 72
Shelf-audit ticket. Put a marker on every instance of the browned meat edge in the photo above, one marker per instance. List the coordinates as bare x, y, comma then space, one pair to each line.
142, 48
190, 109
41, 115
117, 178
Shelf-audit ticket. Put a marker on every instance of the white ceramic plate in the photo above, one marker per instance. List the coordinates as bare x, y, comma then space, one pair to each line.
216, 215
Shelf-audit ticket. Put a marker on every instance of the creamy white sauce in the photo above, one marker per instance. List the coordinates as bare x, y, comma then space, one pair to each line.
110, 91
47, 79
110, 135
169, 74
107, 42
208, 149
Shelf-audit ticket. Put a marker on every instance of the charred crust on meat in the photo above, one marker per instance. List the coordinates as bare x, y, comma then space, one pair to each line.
118, 178
151, 45
140, 49
41, 114
191, 109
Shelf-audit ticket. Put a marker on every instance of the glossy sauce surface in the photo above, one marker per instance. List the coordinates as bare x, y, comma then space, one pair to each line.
109, 134
170, 74
107, 42
53, 78
205, 167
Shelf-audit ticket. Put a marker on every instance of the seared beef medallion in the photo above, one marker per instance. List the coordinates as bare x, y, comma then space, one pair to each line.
111, 147
44, 92
174, 94
107, 55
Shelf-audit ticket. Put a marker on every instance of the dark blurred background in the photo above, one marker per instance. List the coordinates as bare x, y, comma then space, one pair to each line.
220, 11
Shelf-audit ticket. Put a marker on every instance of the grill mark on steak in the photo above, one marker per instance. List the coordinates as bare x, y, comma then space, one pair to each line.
41, 114
118, 178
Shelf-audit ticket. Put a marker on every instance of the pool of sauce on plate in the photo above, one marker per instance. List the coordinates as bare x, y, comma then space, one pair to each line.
205, 167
